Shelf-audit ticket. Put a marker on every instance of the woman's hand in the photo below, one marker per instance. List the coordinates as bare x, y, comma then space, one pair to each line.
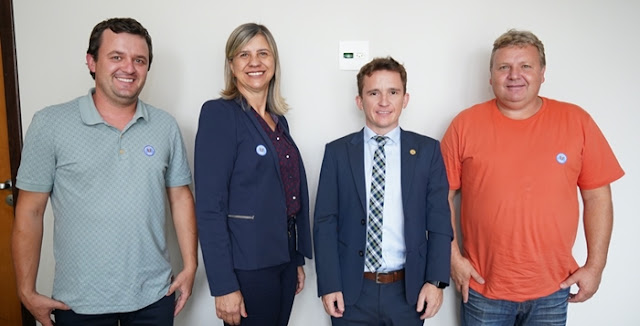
301, 277
230, 308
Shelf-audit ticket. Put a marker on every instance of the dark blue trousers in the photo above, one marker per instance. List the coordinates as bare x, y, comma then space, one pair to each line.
380, 305
159, 313
268, 293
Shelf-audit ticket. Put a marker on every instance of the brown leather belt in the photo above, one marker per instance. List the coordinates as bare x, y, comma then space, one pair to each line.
384, 278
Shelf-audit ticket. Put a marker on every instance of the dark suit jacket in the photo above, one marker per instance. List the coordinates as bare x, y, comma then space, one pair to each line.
341, 214
240, 200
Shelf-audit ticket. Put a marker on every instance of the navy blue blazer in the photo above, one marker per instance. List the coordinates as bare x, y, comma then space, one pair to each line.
341, 214
240, 199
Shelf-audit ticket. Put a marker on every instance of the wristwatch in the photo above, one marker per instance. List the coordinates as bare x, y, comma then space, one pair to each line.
438, 284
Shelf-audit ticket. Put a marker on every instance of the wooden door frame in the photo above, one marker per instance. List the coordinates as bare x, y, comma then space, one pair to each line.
12, 99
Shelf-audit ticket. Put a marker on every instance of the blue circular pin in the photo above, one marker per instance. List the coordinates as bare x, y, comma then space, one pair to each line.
261, 150
149, 150
561, 158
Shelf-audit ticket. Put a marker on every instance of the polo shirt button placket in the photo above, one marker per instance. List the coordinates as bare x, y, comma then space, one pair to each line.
121, 151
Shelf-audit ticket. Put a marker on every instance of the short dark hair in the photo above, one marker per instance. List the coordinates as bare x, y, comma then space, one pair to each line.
117, 25
377, 64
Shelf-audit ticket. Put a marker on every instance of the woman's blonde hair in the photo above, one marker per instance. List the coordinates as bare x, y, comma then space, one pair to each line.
237, 40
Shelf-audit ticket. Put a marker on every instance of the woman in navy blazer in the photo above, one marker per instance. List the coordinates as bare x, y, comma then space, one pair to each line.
252, 200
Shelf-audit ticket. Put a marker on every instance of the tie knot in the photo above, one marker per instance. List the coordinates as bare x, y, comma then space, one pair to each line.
382, 140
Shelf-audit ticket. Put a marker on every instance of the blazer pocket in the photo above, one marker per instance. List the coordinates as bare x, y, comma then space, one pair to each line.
241, 217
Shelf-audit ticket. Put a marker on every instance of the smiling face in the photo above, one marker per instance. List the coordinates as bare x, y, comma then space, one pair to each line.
382, 101
516, 77
121, 67
253, 66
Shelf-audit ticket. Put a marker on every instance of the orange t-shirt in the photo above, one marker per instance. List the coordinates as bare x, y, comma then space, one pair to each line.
519, 199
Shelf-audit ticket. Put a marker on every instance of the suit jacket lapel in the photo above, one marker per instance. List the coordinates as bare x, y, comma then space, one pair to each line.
355, 152
265, 139
408, 158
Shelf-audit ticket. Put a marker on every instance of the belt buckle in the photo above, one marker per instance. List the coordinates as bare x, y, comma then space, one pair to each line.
377, 280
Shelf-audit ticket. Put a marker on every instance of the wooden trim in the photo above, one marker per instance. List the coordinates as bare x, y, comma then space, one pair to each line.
12, 99
10, 68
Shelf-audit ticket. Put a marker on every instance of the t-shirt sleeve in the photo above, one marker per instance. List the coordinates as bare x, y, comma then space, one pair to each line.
178, 172
599, 165
450, 147
38, 160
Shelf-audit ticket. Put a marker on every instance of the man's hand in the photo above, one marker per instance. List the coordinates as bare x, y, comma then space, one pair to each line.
587, 279
230, 308
184, 221
461, 273
184, 284
461, 269
301, 278
598, 223
41, 307
333, 304
431, 297
26, 241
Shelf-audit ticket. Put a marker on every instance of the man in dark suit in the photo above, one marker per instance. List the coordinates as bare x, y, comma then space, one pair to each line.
382, 221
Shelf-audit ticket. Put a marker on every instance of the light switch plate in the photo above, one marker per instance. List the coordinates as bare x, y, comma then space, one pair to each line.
353, 54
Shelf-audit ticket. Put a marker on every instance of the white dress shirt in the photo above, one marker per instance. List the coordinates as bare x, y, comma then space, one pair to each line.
393, 245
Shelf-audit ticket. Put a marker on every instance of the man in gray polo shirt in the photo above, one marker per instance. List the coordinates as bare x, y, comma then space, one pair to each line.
108, 161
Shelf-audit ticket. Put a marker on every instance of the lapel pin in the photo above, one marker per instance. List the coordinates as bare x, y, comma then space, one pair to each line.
412, 151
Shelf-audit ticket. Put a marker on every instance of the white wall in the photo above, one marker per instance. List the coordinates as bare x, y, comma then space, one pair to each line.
592, 59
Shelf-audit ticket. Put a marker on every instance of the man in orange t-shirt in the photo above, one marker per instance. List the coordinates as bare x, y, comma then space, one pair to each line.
517, 161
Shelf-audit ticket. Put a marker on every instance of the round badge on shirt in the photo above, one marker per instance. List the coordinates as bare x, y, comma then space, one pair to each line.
261, 150
149, 150
561, 158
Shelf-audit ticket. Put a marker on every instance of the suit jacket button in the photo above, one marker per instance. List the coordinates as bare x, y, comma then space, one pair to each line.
360, 253
363, 222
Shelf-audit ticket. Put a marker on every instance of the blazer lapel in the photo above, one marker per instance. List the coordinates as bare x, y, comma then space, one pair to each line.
355, 153
408, 158
266, 141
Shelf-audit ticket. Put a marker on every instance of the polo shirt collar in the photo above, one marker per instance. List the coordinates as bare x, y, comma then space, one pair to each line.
91, 116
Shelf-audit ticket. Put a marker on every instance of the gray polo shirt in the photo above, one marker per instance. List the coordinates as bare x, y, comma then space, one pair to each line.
108, 190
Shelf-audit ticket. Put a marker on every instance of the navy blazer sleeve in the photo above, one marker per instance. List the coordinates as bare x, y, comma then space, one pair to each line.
215, 153
325, 227
439, 230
